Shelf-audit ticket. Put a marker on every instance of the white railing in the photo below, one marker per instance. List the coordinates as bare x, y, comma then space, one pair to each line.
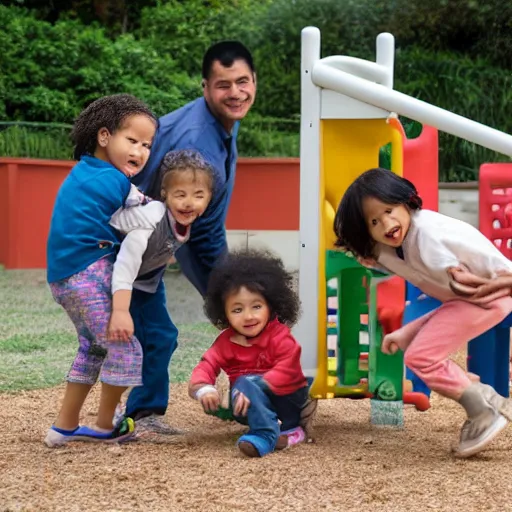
339, 74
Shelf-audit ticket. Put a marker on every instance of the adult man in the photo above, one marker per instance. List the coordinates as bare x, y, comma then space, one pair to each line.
209, 125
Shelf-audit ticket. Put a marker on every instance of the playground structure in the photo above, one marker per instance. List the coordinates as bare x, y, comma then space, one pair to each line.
489, 354
348, 112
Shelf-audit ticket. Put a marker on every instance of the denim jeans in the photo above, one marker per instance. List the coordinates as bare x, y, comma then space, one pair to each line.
265, 410
159, 339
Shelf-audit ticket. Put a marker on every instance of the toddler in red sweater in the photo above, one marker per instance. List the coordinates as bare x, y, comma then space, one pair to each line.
250, 295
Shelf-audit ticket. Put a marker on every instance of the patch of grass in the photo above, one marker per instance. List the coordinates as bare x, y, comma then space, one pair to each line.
38, 341
36, 369
29, 343
193, 341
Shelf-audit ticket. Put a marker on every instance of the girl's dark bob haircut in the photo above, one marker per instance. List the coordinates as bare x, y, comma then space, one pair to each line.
349, 224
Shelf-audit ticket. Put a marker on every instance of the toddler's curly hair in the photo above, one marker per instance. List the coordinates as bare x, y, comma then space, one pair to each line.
109, 112
260, 272
178, 161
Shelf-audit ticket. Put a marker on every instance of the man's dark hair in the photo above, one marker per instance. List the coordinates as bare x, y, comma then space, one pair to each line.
226, 52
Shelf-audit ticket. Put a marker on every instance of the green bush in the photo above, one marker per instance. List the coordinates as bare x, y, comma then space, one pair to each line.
468, 87
454, 54
470, 28
258, 136
184, 30
36, 141
68, 65
267, 136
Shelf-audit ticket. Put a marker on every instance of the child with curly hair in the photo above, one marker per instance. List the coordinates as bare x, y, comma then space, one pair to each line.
112, 138
250, 295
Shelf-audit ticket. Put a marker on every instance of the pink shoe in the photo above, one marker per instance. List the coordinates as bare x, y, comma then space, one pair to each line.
294, 435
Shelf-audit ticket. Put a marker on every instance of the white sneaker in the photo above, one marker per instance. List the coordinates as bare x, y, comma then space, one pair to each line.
500, 403
54, 438
122, 432
478, 432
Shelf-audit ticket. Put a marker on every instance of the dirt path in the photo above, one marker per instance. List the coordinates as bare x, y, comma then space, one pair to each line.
351, 467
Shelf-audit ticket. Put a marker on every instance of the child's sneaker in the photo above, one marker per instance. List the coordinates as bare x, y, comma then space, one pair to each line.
58, 437
248, 449
286, 439
484, 421
151, 428
282, 442
500, 403
293, 436
290, 437
477, 433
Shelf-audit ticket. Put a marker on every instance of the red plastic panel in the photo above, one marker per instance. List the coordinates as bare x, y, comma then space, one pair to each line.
495, 205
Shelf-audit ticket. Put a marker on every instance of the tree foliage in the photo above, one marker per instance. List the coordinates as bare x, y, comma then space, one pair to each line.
53, 70
57, 56
117, 16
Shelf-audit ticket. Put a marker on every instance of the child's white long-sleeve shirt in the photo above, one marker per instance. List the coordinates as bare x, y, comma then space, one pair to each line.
150, 241
435, 243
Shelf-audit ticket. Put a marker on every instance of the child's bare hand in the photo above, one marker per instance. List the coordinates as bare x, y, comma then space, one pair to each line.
389, 344
210, 401
503, 281
120, 327
480, 290
241, 405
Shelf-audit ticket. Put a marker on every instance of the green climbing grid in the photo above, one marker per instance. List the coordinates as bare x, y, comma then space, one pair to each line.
356, 292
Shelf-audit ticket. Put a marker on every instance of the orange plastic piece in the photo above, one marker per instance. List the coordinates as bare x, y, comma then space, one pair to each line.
419, 400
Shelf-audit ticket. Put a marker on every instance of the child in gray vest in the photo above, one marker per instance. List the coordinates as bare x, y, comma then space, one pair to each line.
154, 232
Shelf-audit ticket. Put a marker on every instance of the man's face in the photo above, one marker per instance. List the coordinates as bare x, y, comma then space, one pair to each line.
230, 92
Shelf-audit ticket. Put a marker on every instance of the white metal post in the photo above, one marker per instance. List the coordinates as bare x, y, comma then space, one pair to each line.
306, 331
